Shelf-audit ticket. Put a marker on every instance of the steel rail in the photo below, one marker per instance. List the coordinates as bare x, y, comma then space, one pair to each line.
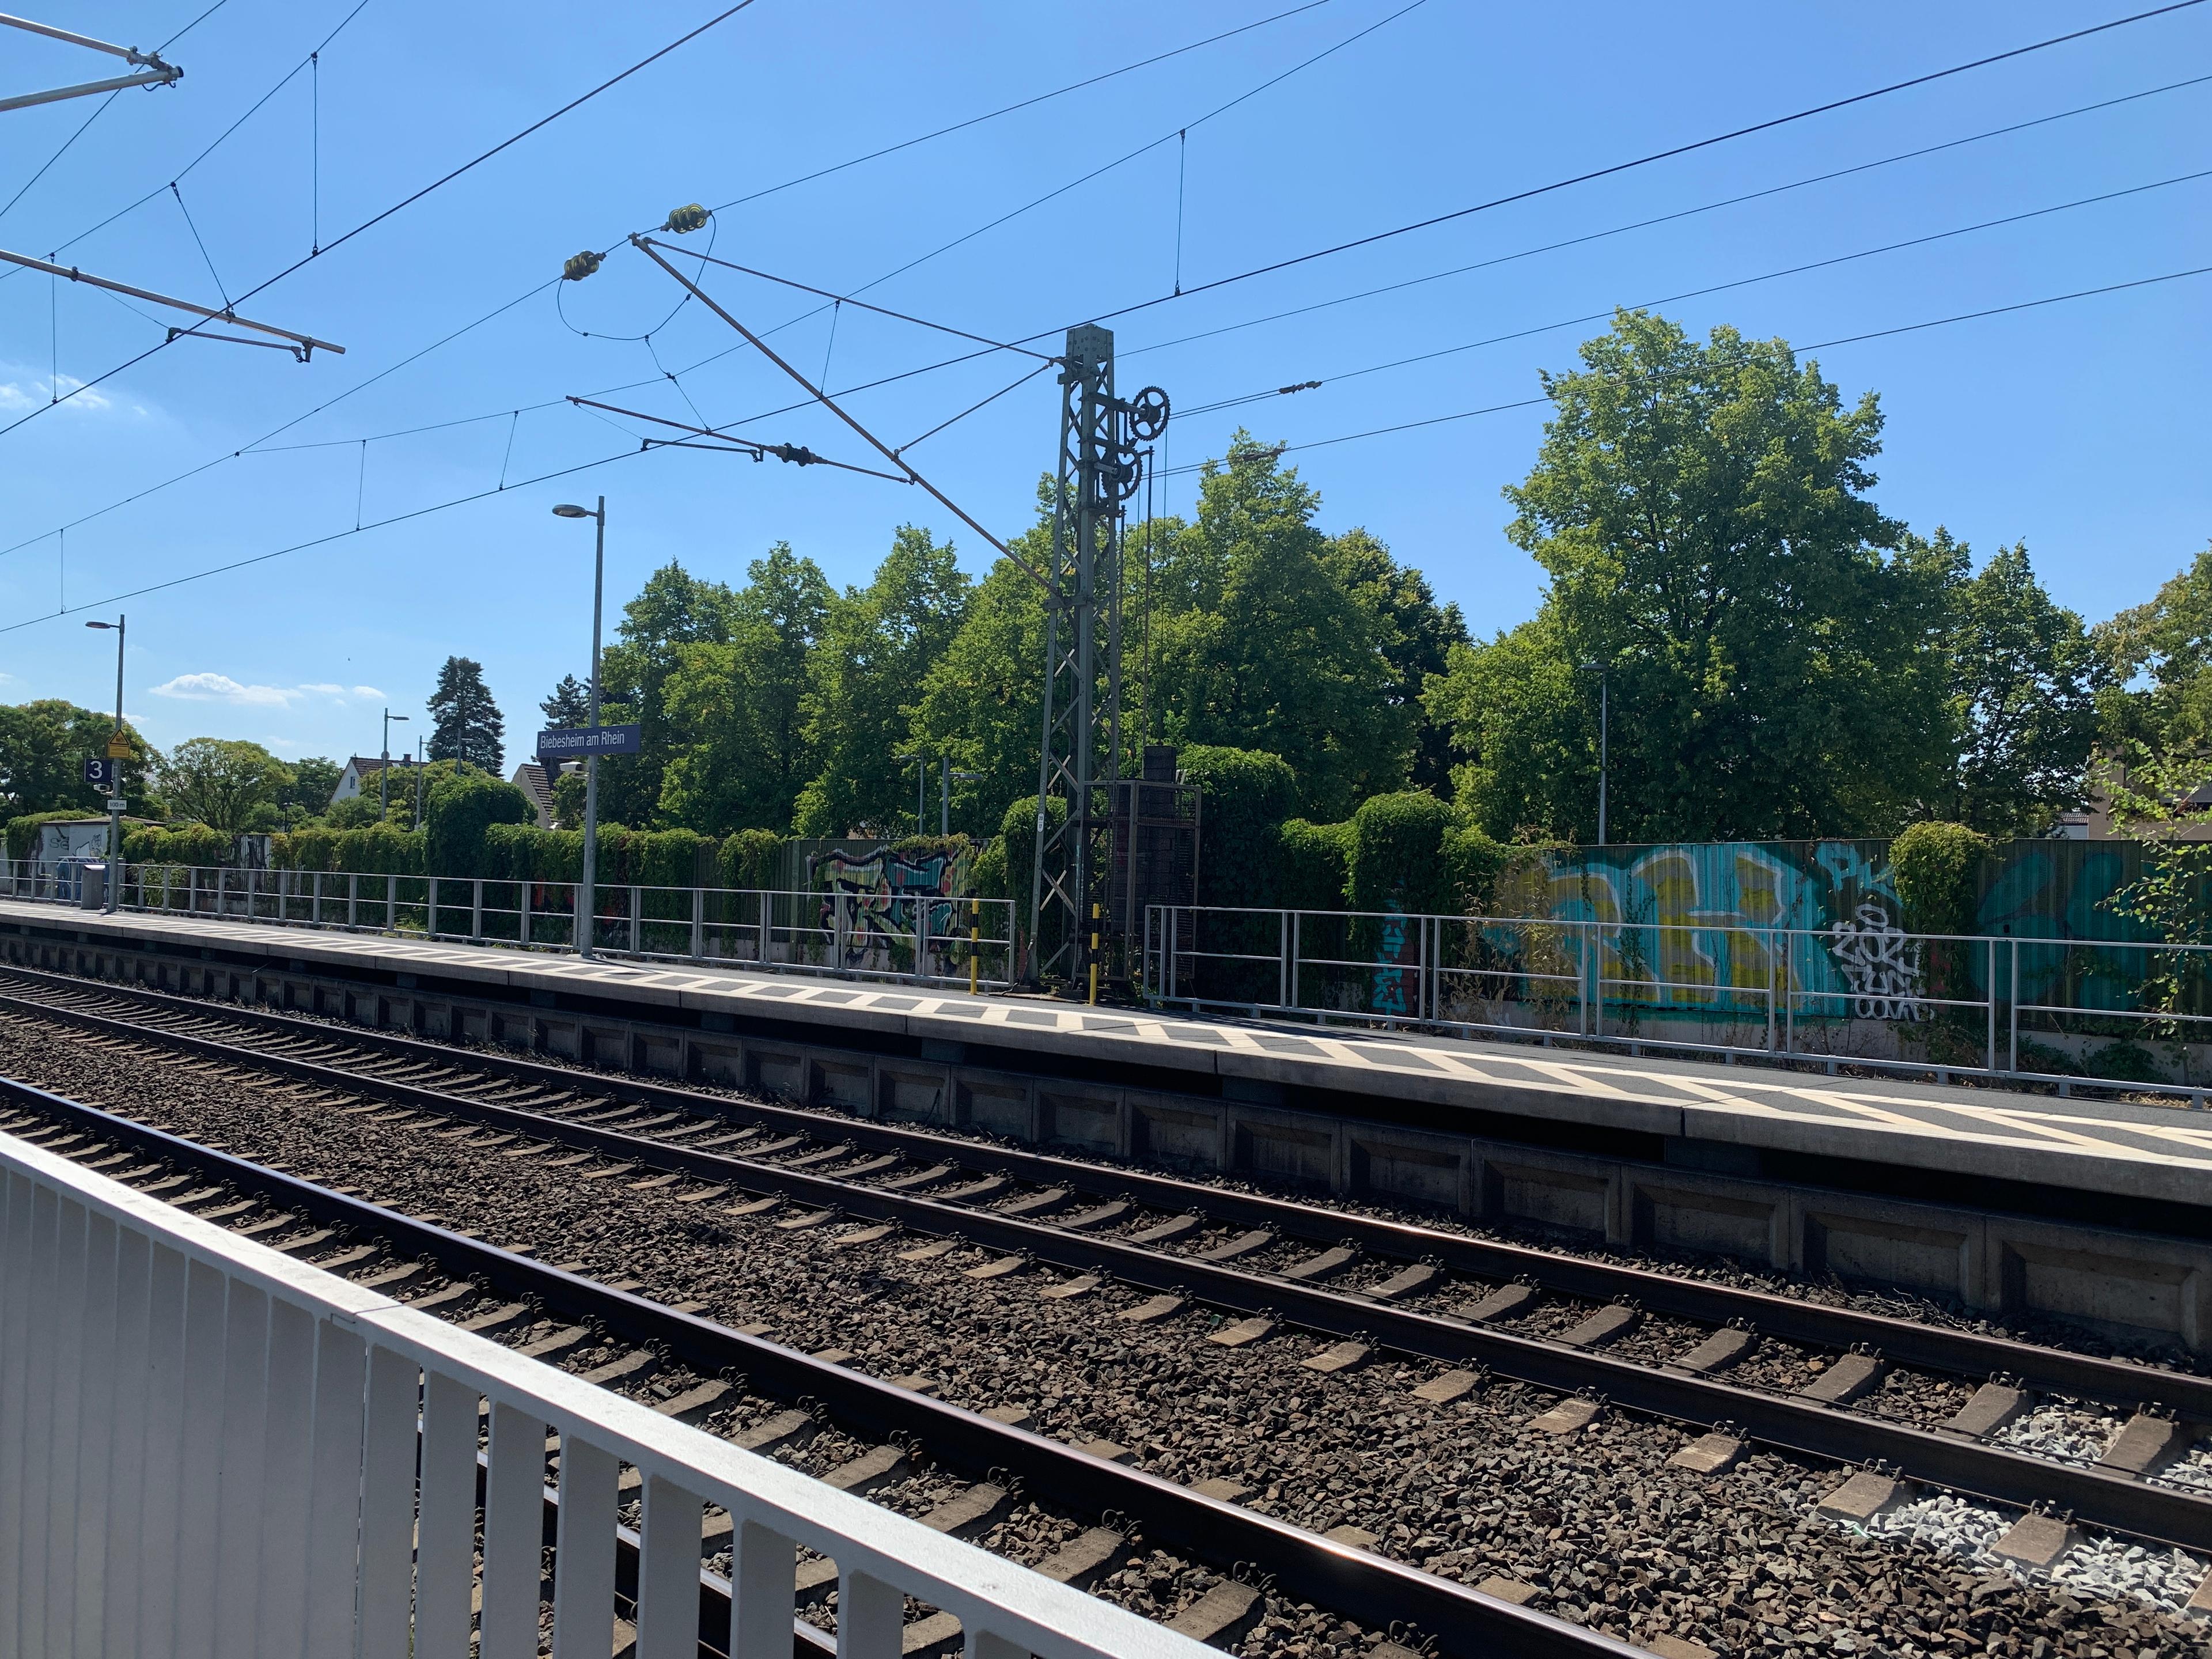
1802, 1427
1907, 1342
1359, 1585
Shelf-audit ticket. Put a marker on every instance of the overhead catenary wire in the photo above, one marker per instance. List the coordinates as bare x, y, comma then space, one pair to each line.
410, 200
1769, 126
1815, 346
1711, 288
496, 312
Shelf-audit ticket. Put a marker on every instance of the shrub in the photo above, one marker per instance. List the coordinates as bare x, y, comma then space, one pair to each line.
1018, 836
654, 858
459, 811
1472, 862
381, 849
1397, 860
193, 844
1312, 863
750, 859
1249, 794
315, 848
1935, 867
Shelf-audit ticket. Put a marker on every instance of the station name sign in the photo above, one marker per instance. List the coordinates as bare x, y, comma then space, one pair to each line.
575, 742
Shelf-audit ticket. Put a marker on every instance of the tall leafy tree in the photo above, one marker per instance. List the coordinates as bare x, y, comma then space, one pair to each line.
43, 747
1701, 509
465, 721
675, 609
2157, 659
2025, 682
1414, 633
308, 794
1263, 646
568, 705
743, 700
226, 783
877, 649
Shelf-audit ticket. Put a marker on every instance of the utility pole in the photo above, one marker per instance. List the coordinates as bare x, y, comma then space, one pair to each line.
587, 892
1101, 464
418, 783
383, 773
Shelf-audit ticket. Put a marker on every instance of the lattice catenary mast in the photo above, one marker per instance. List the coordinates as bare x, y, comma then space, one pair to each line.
1101, 459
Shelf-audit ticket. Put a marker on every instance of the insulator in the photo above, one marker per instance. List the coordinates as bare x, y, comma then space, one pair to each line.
581, 265
684, 219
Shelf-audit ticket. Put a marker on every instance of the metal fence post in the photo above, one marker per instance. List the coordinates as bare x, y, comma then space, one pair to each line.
767, 927
635, 907
430, 921
522, 914
318, 900
353, 901
698, 923
476, 909
921, 937
1283, 963
1769, 990
391, 904
2012, 1053
1990, 995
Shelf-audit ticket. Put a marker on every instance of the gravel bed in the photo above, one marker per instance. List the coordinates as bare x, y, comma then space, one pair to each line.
1606, 1532
2064, 1430
2099, 1570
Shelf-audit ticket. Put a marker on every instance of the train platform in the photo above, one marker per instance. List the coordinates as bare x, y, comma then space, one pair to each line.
2144, 1149
1987, 1196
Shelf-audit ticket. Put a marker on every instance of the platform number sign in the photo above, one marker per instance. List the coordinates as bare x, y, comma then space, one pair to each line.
101, 773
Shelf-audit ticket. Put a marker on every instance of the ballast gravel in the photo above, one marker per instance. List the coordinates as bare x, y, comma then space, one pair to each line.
1604, 1533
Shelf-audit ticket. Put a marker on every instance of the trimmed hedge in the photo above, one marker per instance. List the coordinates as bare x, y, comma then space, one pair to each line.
1474, 862
1398, 860
1312, 863
1935, 867
1249, 794
193, 844
751, 859
459, 810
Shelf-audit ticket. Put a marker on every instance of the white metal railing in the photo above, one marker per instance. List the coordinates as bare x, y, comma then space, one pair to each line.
921, 938
1863, 993
207, 1448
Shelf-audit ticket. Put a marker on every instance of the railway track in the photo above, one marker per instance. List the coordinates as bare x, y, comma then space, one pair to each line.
549, 1310
1372, 1284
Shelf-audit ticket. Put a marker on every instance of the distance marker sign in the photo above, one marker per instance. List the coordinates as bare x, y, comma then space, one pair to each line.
576, 742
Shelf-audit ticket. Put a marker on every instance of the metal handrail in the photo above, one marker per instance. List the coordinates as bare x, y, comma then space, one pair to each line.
929, 939
1804, 994
206, 1444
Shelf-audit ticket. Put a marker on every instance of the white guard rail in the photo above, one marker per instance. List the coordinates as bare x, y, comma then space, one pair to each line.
211, 1451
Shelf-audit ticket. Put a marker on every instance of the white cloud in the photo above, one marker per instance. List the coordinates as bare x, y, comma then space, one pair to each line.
31, 393
325, 690
367, 691
221, 688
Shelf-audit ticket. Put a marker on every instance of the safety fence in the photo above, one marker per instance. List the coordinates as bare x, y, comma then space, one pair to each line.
913, 936
1865, 991
207, 1448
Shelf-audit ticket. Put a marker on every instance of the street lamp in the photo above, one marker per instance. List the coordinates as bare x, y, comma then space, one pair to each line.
1604, 672
114, 817
947, 778
586, 898
384, 777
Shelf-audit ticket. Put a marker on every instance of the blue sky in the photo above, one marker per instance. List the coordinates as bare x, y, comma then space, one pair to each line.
2079, 427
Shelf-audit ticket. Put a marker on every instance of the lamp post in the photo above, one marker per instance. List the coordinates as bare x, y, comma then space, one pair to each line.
418, 782
586, 898
384, 773
1604, 731
114, 818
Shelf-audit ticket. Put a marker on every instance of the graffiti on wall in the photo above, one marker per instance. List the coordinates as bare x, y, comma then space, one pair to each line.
872, 901
1881, 962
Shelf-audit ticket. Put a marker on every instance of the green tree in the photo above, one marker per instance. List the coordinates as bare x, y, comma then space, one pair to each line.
223, 783
1701, 510
458, 809
981, 702
2156, 688
43, 747
875, 654
569, 705
308, 794
2025, 682
1415, 634
742, 702
466, 721
674, 609
1259, 645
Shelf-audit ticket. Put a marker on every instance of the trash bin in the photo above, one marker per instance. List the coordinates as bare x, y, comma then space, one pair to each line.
92, 890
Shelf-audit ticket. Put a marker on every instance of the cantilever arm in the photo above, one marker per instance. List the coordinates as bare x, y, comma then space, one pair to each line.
699, 293
154, 72
305, 343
